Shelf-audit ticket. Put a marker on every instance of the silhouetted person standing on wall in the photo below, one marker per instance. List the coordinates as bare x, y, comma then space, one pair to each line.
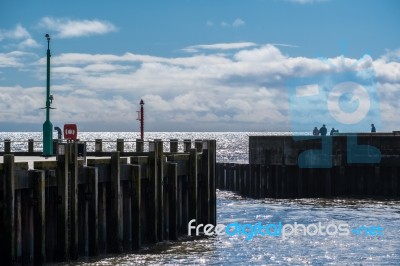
332, 131
315, 131
323, 130
373, 129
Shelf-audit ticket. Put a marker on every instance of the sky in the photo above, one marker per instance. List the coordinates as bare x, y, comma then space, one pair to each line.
226, 65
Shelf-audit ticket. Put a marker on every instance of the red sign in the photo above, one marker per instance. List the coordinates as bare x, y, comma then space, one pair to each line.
70, 131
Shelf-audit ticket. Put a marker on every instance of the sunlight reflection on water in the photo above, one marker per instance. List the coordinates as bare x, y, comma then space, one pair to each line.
232, 147
224, 250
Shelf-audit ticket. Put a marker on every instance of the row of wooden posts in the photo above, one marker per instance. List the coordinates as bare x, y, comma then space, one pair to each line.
69, 208
290, 181
98, 146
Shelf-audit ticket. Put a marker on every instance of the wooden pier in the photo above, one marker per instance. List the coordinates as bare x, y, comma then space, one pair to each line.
274, 171
76, 207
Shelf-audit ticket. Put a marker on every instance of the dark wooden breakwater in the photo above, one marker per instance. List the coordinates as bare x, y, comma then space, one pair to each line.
364, 165
76, 207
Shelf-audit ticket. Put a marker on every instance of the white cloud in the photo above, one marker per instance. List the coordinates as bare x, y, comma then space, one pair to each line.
203, 92
219, 46
238, 23
69, 28
28, 43
391, 55
263, 54
15, 58
19, 36
224, 24
209, 23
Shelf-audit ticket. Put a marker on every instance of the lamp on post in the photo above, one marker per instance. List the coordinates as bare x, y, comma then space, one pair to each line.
48, 126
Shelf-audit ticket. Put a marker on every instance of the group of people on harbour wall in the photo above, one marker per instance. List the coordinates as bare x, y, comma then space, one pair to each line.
323, 130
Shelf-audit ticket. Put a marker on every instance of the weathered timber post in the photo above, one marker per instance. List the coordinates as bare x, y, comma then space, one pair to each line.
27, 224
136, 205
8, 242
39, 193
204, 189
152, 194
187, 145
127, 194
7, 146
98, 145
198, 144
114, 220
93, 219
173, 200
242, 179
55, 147
192, 186
263, 181
173, 145
230, 177
120, 145
73, 168
18, 226
62, 209
160, 188
30, 145
139, 145
212, 146
300, 182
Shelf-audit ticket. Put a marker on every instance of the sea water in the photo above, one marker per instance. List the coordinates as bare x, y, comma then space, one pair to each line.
363, 248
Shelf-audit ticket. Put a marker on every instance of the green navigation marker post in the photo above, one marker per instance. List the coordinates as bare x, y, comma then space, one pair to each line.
48, 126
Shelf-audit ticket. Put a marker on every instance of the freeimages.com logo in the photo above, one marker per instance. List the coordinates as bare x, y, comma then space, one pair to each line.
343, 96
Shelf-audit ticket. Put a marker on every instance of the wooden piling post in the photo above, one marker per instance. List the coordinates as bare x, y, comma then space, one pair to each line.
114, 221
204, 189
39, 193
102, 215
139, 145
173, 200
136, 206
378, 191
192, 186
245, 179
30, 145
98, 145
198, 144
328, 182
18, 227
173, 145
299, 182
27, 225
160, 189
263, 181
7, 250
120, 145
393, 181
62, 194
93, 219
7, 146
187, 145
55, 146
212, 181
229, 176
220, 173
73, 168
257, 180
237, 176
152, 194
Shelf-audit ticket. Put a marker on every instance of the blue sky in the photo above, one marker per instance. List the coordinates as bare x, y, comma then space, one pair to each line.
199, 65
